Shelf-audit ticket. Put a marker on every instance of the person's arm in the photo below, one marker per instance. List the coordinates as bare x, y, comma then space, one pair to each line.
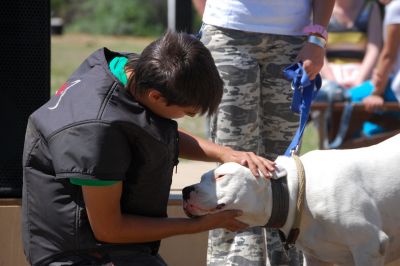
110, 225
313, 55
385, 64
373, 47
195, 148
387, 58
322, 11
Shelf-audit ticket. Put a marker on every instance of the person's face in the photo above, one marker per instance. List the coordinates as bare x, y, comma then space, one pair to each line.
157, 103
175, 111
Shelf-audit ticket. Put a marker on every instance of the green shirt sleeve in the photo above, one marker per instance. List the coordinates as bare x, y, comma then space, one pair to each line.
94, 183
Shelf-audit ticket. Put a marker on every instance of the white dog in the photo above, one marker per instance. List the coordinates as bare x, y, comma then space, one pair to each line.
351, 211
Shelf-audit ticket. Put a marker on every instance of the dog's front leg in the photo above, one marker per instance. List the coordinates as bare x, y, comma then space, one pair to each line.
371, 253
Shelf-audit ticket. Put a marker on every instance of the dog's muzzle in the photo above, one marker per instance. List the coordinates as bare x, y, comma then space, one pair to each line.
186, 196
186, 192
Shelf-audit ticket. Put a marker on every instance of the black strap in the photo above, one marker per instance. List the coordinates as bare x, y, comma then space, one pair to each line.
291, 239
280, 203
343, 126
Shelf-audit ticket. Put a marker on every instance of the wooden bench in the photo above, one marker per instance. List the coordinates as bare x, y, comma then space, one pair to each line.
358, 117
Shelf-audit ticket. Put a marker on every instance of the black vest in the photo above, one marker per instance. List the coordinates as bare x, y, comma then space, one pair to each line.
92, 128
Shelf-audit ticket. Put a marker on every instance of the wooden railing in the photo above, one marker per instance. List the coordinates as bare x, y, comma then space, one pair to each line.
358, 117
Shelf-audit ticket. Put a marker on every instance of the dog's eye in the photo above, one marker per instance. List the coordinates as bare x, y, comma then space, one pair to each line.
219, 176
220, 206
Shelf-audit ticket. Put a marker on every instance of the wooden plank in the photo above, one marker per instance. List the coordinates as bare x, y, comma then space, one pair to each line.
10, 202
11, 251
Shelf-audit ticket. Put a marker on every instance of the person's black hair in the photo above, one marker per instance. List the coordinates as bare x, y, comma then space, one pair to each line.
181, 68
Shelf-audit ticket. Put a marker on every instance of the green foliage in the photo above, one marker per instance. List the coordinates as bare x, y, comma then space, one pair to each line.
117, 17
197, 22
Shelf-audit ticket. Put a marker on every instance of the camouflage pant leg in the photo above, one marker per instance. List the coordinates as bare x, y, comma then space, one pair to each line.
254, 115
278, 123
240, 249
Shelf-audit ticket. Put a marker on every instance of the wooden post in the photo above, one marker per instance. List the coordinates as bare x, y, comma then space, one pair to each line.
180, 15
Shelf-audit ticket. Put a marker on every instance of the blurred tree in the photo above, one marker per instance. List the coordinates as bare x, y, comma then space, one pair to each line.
117, 17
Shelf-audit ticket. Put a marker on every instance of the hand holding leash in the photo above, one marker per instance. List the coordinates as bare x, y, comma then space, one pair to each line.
304, 91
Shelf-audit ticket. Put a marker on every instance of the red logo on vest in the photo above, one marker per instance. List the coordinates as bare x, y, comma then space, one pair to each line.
61, 92
62, 88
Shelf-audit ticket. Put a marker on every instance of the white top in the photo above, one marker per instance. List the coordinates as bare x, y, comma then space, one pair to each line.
285, 17
392, 16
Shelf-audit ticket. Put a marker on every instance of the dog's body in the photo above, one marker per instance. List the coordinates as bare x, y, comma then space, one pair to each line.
351, 213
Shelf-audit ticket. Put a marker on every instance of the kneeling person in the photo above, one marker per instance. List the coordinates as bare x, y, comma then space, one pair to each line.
99, 156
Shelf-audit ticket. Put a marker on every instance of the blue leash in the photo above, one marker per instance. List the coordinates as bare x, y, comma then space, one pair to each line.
305, 91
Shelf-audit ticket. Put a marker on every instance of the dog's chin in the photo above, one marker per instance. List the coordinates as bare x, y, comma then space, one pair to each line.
187, 211
189, 214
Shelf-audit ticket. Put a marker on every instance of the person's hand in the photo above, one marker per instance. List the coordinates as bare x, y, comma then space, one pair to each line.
224, 219
250, 160
312, 57
373, 102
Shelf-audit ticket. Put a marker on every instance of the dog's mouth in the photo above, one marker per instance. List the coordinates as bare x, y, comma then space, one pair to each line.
189, 208
189, 214
193, 210
186, 207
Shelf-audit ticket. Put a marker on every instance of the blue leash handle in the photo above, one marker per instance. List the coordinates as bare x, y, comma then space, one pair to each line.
304, 91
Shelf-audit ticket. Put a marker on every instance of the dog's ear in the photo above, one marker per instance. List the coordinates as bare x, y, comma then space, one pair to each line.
279, 172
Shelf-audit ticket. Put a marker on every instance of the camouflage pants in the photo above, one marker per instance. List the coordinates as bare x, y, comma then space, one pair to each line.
254, 115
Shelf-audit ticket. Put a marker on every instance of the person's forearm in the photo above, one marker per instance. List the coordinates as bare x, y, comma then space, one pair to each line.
381, 73
322, 11
369, 61
139, 229
386, 61
110, 225
313, 52
374, 43
387, 58
195, 148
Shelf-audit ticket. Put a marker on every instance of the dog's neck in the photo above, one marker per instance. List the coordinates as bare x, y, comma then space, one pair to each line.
288, 164
280, 202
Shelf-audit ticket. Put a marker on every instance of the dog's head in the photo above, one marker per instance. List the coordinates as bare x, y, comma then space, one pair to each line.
229, 186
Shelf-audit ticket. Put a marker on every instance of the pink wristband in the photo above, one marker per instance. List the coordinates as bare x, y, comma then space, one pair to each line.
321, 30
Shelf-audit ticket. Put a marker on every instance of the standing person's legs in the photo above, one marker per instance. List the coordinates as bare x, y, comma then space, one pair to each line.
236, 125
278, 123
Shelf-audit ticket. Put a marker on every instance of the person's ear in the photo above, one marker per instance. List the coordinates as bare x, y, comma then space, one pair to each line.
155, 96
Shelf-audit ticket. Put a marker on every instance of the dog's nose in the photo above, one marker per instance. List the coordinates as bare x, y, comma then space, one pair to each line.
186, 192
